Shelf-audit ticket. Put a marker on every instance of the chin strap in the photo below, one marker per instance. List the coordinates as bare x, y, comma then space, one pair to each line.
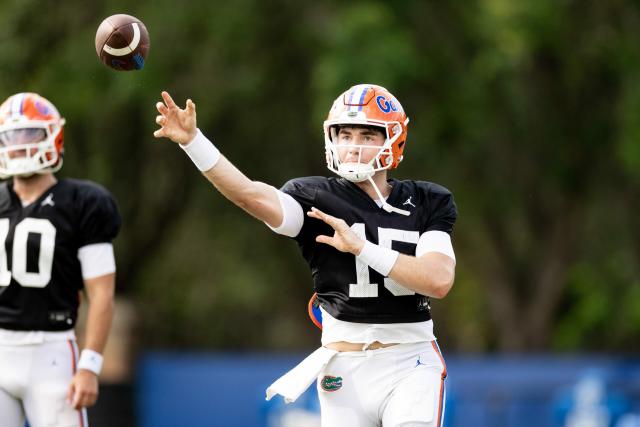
386, 206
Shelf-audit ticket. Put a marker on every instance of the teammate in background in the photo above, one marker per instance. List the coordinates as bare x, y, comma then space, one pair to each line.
378, 249
56, 241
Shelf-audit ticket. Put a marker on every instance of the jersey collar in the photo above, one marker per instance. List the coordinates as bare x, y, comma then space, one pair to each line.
393, 195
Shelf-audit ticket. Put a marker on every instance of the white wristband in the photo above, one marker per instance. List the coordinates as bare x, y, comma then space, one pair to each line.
91, 361
202, 152
379, 258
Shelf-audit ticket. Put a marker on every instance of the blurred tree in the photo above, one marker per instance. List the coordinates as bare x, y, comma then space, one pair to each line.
526, 110
527, 113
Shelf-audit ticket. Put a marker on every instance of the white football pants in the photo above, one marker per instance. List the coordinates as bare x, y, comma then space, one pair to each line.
34, 380
397, 386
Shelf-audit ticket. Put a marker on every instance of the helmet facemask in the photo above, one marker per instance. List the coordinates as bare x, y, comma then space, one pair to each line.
358, 171
30, 148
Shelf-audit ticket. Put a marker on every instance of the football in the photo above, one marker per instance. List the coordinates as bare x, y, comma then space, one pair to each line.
122, 42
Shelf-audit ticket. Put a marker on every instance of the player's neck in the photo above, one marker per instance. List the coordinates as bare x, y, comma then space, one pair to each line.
29, 188
380, 179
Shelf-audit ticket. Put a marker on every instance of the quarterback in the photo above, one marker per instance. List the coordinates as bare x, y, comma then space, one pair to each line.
378, 249
55, 242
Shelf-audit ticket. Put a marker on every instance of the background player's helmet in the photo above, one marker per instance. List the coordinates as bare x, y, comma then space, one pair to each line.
368, 105
31, 136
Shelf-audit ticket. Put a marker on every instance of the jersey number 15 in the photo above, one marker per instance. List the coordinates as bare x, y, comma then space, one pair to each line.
365, 289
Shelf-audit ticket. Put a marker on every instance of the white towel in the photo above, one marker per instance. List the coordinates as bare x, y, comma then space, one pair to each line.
292, 384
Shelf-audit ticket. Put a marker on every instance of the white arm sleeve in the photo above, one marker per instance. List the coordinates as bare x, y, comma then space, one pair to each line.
292, 215
380, 259
96, 260
202, 152
435, 241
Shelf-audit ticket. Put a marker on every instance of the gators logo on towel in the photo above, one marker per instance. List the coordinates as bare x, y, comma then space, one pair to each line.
329, 383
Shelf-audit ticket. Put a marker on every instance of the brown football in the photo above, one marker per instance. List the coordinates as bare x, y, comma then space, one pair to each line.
122, 42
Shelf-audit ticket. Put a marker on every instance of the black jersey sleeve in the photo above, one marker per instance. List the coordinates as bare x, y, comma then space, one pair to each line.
303, 190
99, 220
442, 210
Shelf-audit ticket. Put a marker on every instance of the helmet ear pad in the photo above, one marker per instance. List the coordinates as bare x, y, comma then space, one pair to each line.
397, 150
59, 143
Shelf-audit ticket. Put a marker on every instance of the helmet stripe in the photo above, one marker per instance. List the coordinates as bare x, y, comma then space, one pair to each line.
357, 93
22, 99
16, 104
12, 107
353, 92
364, 92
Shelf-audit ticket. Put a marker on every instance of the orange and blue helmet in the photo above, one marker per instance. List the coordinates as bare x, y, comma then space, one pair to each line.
366, 105
31, 136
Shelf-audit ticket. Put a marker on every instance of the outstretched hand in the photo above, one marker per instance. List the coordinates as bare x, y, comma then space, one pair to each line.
175, 123
344, 238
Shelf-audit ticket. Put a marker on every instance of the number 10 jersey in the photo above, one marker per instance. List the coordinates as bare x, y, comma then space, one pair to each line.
40, 273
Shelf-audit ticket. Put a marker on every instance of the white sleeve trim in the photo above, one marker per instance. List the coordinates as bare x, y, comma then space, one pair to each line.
96, 260
435, 241
292, 215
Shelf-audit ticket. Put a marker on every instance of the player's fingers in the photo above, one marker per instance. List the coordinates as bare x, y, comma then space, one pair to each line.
70, 393
168, 100
88, 399
85, 398
77, 399
162, 109
159, 133
91, 399
161, 120
324, 239
335, 223
317, 211
191, 107
313, 214
318, 214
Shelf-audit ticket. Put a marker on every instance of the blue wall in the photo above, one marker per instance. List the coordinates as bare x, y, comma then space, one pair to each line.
226, 389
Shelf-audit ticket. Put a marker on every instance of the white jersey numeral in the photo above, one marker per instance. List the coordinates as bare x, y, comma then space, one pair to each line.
362, 289
5, 274
27, 226
386, 236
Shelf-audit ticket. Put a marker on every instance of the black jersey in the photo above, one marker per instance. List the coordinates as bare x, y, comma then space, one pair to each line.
40, 276
347, 288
